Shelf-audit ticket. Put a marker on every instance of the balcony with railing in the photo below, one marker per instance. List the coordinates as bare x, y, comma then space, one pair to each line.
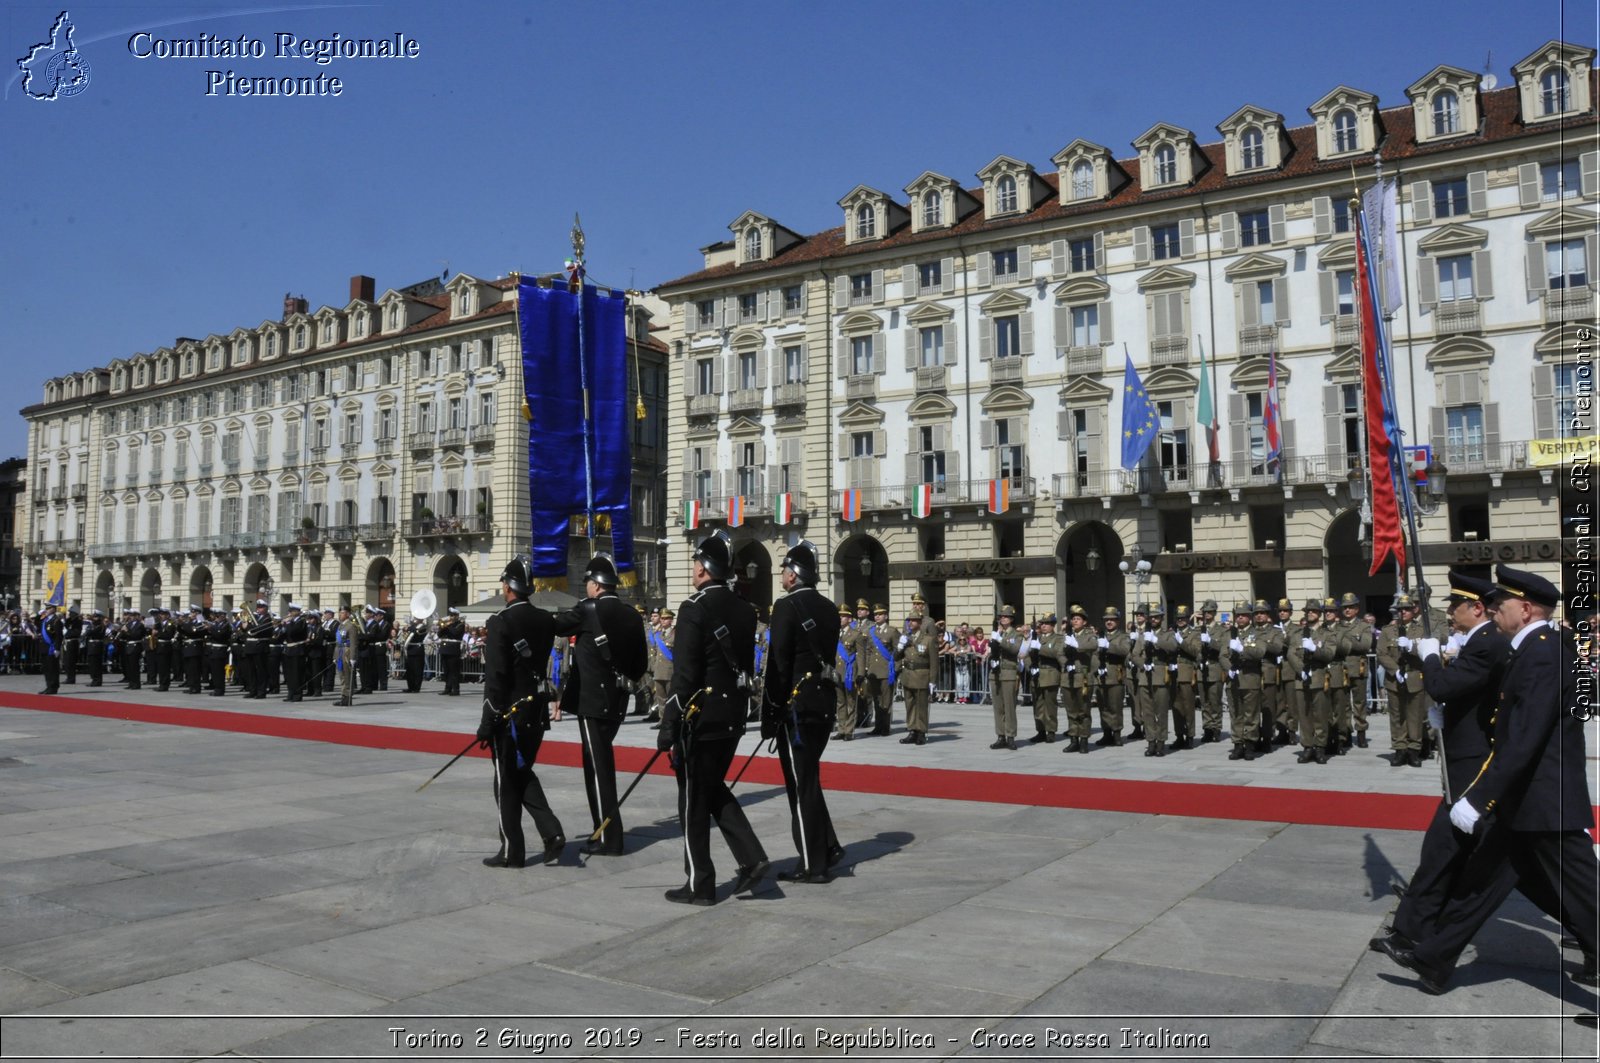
80, 492
1094, 483
446, 527
1459, 316
349, 450
704, 405
341, 533
945, 493
931, 380
58, 493
1090, 361
375, 531
261, 460
130, 480
1569, 304
480, 435
57, 547
1467, 458
861, 386
108, 482
793, 394
152, 477
453, 438
1169, 350
1346, 330
745, 400
422, 440
205, 468
230, 466
1012, 370
384, 445
1254, 339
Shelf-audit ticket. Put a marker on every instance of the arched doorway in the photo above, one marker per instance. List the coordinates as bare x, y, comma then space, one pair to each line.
861, 570
1086, 570
200, 587
105, 586
380, 585
257, 585
149, 590
450, 582
753, 565
1349, 558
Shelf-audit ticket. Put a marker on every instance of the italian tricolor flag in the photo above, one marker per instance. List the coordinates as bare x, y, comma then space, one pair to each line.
922, 501
691, 514
783, 508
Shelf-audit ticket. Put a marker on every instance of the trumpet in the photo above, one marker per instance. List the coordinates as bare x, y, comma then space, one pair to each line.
151, 640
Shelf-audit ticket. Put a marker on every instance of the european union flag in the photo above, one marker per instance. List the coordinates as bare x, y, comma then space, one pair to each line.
1140, 422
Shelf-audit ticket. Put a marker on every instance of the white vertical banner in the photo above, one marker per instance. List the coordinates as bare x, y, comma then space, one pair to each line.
1381, 204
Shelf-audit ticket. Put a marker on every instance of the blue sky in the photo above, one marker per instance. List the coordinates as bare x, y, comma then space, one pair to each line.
141, 209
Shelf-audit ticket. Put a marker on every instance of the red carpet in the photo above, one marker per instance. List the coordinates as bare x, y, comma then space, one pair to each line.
1210, 801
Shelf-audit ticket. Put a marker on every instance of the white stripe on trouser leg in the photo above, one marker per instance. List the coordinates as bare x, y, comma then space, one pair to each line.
594, 769
688, 806
800, 814
499, 809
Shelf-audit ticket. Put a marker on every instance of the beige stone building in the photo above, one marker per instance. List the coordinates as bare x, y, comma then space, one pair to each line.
353, 454
948, 343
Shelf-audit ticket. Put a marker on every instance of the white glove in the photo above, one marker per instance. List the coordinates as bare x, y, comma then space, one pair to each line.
1150, 637
1436, 717
1400, 678
994, 664
1103, 644
1072, 640
1172, 668
1309, 645
1305, 677
1072, 668
1464, 816
1235, 645
1149, 667
1403, 643
1033, 671
903, 641
1205, 637
1457, 641
1232, 674
1427, 648
1034, 644
994, 636
1022, 652
1101, 673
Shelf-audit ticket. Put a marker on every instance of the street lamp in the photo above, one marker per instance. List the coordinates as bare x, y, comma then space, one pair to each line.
866, 566
1436, 479
1139, 569
1092, 559
750, 571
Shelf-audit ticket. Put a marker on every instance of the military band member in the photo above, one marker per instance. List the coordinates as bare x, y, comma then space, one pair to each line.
192, 648
94, 647
219, 640
1078, 649
845, 664
152, 645
1359, 634
451, 629
875, 654
166, 651
1008, 652
1113, 675
294, 652
1403, 681
917, 650
704, 719
415, 634
1047, 652
608, 656
132, 639
516, 713
1185, 679
661, 644
258, 632
798, 708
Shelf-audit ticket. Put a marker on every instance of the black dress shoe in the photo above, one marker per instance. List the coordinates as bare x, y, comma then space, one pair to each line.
1432, 981
1161, 748
812, 877
998, 743
750, 877
553, 849
500, 861
1303, 757
1236, 753
1104, 739
1589, 976
685, 895
1392, 937
1038, 736
598, 849
1083, 745
1149, 749
922, 738
835, 854
1137, 732
1319, 756
910, 739
1361, 739
1116, 740
847, 738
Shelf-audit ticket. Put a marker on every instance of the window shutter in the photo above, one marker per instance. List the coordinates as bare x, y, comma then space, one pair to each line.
1249, 305
1063, 424
1422, 201
1589, 167
947, 276
761, 306
1477, 193
985, 433
1058, 258
841, 357
842, 446
1482, 277
1289, 449
1327, 294
775, 304
721, 371
1537, 279
1591, 245
879, 362
908, 280
913, 439
1238, 431
985, 269
877, 285
1099, 252
1491, 430
1544, 401
1141, 245
985, 339
1107, 333
941, 437
1025, 333
1427, 282
761, 368
1438, 431
1094, 433
1228, 225
775, 368
913, 343
913, 466
1276, 223
1024, 257
952, 345
880, 443
1280, 300
1063, 324
1528, 192
761, 452
416, 366
1332, 428
730, 311
841, 290
1186, 237
1322, 217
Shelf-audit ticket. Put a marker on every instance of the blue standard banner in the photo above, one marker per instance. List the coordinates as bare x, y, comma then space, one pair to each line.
571, 459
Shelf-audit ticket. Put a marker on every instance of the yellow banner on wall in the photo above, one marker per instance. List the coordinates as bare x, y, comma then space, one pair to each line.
55, 583
1546, 452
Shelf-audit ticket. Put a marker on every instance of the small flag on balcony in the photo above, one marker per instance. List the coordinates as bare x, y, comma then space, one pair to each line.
1273, 432
691, 514
850, 505
735, 510
783, 508
922, 503
999, 495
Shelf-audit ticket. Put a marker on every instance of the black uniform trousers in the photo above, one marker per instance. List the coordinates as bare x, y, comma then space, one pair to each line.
96, 662
809, 821
50, 664
69, 660
192, 662
516, 787
1561, 862
413, 670
274, 665
131, 652
164, 651
452, 672
255, 669
294, 660
217, 662
703, 795
600, 778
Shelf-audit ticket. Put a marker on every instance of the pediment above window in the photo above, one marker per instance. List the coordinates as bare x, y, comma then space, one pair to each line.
931, 408
1563, 223
870, 215
746, 339
937, 202
856, 324
1004, 303
1460, 352
1171, 383
1086, 171
1253, 374
929, 314
1167, 278
1340, 254
861, 414
1082, 290
1085, 391
1560, 342
1006, 398
744, 426
1253, 140
1010, 187
1345, 367
1453, 239
1254, 266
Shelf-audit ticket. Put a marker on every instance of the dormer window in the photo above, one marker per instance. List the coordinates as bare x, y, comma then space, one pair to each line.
932, 208
463, 302
866, 222
752, 245
1083, 179
1446, 113
1005, 194
272, 345
1166, 159
1555, 92
327, 331
299, 337
1252, 150
1344, 131
394, 316
360, 325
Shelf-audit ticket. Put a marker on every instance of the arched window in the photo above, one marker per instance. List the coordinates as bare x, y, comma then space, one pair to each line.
1083, 179
932, 208
752, 245
1446, 113
866, 222
1005, 194
1555, 92
1252, 151
464, 302
1344, 130
1166, 164
299, 336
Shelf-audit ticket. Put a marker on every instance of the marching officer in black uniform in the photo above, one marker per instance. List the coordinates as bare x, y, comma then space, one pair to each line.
415, 634
516, 713
94, 647
132, 638
52, 634
608, 658
193, 648
72, 645
258, 632
798, 708
295, 637
704, 718
450, 631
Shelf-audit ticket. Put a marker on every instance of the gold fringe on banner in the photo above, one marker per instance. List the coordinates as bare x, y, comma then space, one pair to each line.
549, 583
527, 413
629, 578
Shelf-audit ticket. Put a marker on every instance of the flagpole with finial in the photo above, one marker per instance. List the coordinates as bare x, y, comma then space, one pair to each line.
575, 272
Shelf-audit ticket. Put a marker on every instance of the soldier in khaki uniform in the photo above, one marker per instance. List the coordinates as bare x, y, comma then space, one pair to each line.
1081, 647
1185, 678
1008, 652
1287, 717
1247, 650
845, 664
1333, 645
1271, 666
875, 648
1292, 673
1141, 660
918, 651
661, 641
1111, 675
1213, 677
1159, 670
1232, 648
1359, 634
1047, 652
1402, 678
1312, 677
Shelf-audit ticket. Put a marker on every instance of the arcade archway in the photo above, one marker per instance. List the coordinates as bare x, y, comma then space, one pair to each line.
1086, 570
1349, 556
752, 563
380, 584
861, 570
450, 582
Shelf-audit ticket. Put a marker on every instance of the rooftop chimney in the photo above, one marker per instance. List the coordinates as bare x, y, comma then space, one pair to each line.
362, 288
294, 304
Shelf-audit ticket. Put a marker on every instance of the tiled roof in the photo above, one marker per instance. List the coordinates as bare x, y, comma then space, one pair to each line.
1500, 121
